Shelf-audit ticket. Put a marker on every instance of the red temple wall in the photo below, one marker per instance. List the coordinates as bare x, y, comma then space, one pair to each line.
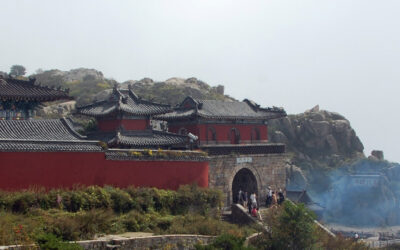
64, 169
112, 125
223, 131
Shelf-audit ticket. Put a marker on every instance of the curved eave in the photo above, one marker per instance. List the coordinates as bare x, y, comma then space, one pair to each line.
34, 98
158, 139
118, 109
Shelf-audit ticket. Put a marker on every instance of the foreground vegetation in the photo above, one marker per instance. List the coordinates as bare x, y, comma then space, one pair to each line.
35, 216
50, 218
292, 227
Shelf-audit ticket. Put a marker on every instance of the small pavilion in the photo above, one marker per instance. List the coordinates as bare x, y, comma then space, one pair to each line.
123, 121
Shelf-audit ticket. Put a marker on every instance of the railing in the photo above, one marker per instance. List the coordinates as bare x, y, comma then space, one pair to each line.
381, 243
245, 149
149, 154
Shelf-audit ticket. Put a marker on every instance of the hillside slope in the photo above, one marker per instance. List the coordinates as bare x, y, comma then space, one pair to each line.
85, 85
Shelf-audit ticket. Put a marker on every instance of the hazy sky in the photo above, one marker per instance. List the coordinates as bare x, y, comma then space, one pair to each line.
341, 54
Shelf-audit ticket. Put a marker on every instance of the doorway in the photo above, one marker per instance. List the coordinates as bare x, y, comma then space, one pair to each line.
244, 180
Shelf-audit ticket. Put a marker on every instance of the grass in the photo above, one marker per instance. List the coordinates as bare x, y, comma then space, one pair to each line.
87, 212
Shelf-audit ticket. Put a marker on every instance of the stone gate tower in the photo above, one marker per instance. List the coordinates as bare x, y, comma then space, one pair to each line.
235, 135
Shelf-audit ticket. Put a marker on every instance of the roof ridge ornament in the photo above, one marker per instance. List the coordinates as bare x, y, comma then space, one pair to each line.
255, 106
133, 94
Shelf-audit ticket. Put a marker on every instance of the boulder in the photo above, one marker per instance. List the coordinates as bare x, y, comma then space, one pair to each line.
317, 116
288, 127
331, 144
313, 109
280, 137
340, 126
320, 128
296, 179
378, 154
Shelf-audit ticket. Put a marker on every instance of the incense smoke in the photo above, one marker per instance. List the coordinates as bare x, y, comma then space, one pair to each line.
364, 194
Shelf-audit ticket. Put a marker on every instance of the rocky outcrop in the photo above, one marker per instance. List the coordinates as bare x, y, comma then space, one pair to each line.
175, 89
56, 110
317, 135
82, 83
296, 179
87, 85
376, 155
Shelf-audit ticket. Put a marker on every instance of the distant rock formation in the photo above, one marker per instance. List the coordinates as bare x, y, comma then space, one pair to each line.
175, 89
80, 74
376, 155
317, 136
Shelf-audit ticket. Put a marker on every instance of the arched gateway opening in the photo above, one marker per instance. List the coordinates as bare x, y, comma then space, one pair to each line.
244, 180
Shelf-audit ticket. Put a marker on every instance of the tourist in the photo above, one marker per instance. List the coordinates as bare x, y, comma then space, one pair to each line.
245, 199
253, 200
274, 199
254, 212
240, 197
249, 205
281, 197
269, 197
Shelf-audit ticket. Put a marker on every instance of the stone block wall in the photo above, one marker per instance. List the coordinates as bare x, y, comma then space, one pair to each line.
179, 241
268, 169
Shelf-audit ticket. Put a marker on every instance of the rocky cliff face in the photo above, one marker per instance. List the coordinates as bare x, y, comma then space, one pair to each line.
328, 161
317, 137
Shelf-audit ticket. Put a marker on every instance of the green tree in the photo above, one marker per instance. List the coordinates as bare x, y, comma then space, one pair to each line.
295, 228
17, 70
290, 227
226, 242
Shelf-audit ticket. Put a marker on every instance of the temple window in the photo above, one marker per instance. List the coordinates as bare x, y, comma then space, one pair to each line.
211, 134
255, 134
234, 136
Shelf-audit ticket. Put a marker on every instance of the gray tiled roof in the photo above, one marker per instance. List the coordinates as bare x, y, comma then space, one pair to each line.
141, 139
48, 146
213, 109
14, 89
42, 135
125, 101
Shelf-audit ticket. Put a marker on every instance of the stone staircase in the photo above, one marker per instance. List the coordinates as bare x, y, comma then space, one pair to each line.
226, 216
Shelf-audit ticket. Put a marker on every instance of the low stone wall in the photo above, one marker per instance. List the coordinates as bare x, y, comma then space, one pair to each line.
176, 241
19, 247
149, 242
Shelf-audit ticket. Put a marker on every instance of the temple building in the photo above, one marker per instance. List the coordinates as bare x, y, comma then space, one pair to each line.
223, 125
19, 98
123, 121
49, 153
231, 138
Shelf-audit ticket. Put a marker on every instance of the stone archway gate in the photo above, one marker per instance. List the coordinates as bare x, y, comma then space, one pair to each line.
268, 169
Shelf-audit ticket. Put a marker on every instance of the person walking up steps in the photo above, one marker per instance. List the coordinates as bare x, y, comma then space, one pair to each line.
240, 197
269, 197
281, 197
245, 199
